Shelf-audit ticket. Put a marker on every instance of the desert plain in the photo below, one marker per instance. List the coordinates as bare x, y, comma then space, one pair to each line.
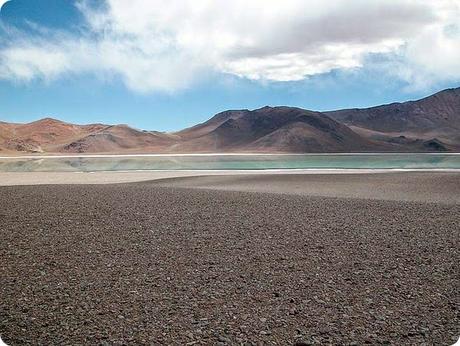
249, 259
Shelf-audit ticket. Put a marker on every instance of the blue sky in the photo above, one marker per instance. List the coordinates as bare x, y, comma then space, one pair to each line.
140, 63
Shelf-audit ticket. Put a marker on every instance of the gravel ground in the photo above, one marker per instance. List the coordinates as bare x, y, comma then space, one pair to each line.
145, 264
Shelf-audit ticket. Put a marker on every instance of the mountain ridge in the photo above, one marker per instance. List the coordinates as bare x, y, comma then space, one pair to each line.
429, 124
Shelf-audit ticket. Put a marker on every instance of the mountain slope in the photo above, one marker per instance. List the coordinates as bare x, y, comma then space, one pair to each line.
276, 129
54, 136
210, 125
434, 117
43, 135
120, 138
429, 124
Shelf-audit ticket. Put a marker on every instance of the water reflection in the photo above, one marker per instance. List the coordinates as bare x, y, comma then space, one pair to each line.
230, 162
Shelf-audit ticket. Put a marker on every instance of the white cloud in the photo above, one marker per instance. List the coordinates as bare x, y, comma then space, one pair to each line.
164, 44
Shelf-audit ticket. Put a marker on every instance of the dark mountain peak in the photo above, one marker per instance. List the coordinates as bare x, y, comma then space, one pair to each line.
455, 91
275, 109
446, 93
443, 96
211, 124
264, 108
432, 113
286, 110
229, 114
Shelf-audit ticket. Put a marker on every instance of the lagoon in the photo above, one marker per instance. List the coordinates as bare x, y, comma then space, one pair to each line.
93, 163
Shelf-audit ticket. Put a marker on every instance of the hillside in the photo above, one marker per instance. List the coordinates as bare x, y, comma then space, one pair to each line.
426, 125
276, 129
436, 117
54, 136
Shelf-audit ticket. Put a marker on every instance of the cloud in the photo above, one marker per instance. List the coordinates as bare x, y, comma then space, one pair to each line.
166, 45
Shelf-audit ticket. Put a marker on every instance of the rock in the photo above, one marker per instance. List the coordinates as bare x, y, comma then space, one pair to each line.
303, 343
224, 339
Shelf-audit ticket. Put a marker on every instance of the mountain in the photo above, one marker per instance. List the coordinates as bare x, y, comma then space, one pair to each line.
435, 112
429, 124
210, 125
275, 129
436, 117
120, 138
43, 135
54, 136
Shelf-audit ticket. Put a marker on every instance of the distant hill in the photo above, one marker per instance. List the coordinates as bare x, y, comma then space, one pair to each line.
277, 129
54, 136
434, 118
427, 125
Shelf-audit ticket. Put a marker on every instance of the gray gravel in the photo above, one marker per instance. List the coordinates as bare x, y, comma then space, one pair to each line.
143, 264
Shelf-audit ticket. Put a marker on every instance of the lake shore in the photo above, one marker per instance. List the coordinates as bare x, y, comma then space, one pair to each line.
176, 165
233, 259
113, 177
112, 155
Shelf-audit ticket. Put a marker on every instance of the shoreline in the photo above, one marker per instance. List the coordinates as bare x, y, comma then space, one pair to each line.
114, 177
57, 156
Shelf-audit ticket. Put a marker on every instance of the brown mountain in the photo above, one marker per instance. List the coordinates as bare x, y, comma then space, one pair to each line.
429, 124
54, 136
121, 138
43, 135
273, 129
435, 118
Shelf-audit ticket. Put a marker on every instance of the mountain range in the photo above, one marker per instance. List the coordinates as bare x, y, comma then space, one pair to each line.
431, 124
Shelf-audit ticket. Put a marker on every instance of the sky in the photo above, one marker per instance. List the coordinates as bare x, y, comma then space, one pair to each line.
169, 64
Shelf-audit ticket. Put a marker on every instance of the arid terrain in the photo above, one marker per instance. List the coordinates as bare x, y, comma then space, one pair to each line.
247, 260
229, 173
428, 125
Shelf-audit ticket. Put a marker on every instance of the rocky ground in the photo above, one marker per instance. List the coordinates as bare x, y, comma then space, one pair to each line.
146, 264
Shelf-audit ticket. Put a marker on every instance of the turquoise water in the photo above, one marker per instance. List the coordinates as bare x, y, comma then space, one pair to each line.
231, 162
